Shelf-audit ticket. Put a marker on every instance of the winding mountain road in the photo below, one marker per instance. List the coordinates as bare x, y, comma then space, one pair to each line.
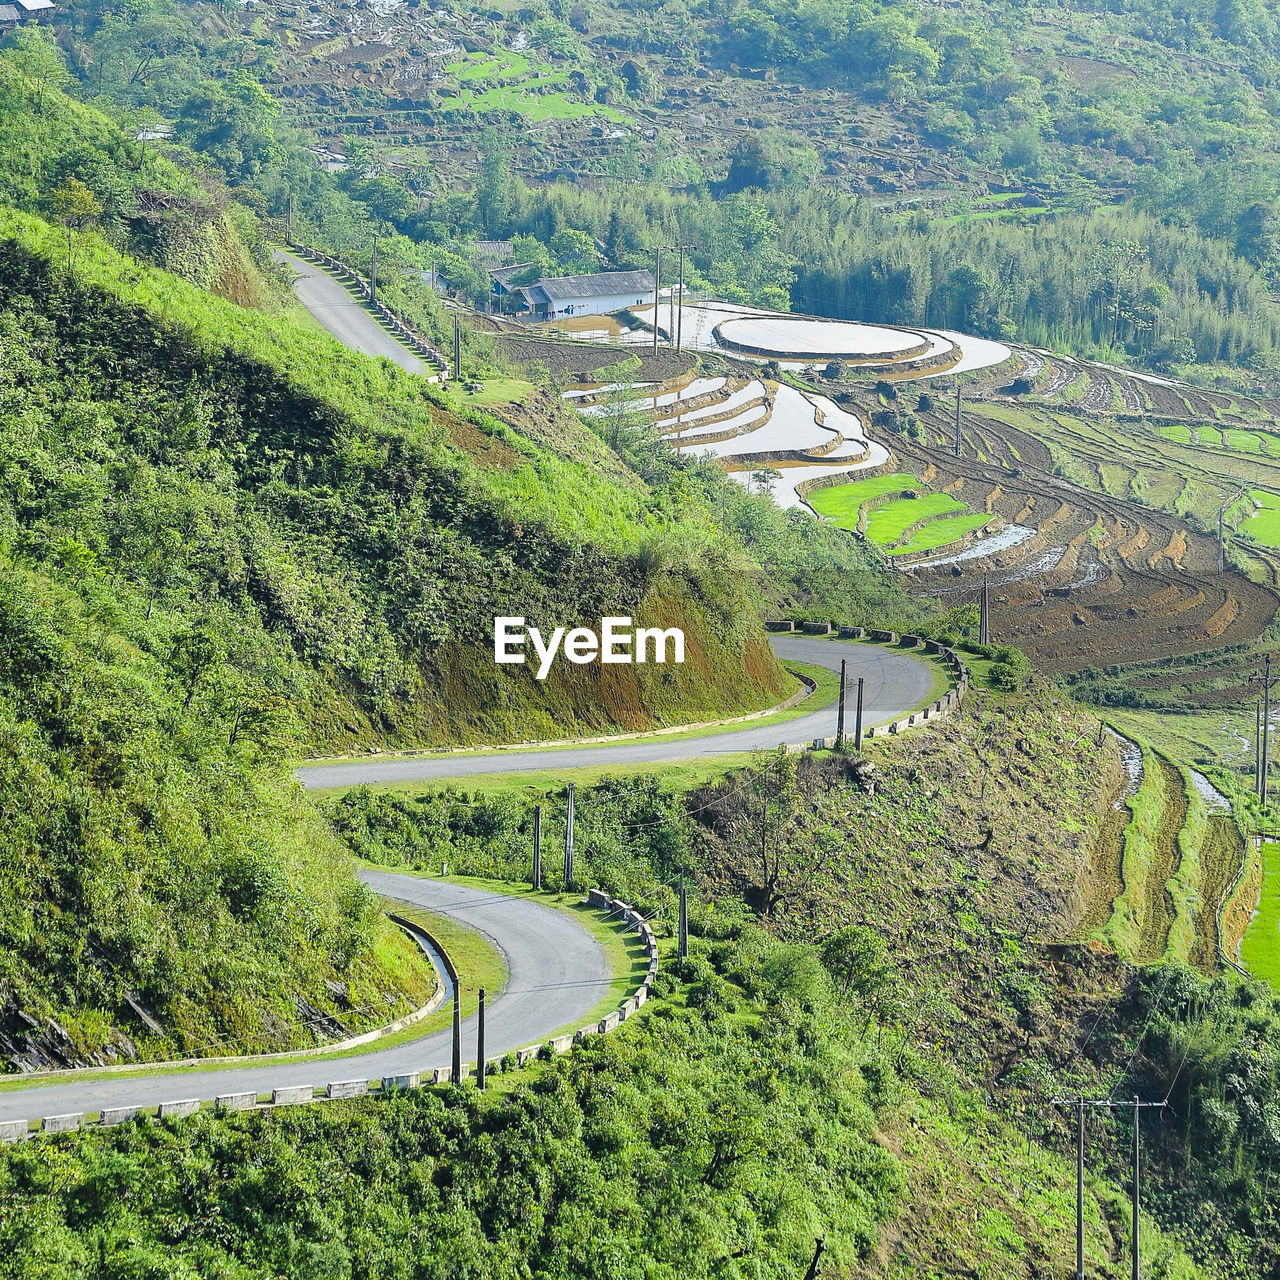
343, 316
557, 973
895, 684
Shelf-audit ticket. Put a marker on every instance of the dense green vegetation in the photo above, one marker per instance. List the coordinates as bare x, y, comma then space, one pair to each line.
1170, 116
726, 1132
226, 541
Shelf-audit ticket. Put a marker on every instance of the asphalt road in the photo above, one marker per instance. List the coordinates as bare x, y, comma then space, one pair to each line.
895, 683
558, 973
343, 316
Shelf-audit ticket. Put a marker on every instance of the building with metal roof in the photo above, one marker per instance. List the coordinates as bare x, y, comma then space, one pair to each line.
593, 295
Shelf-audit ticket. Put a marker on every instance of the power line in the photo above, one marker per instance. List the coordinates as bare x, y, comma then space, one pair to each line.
1078, 1105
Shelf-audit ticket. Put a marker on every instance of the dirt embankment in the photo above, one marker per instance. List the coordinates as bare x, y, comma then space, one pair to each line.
965, 849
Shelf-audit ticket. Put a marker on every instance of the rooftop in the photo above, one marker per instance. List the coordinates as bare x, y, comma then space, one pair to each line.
603, 284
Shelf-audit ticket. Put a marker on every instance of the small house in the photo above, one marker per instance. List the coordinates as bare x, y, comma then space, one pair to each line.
593, 295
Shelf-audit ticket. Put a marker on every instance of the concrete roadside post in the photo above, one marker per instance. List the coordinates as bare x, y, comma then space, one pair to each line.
455, 1073
568, 842
857, 724
840, 712
537, 846
480, 1043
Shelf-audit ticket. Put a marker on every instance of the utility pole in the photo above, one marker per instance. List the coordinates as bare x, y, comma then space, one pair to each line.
1266, 729
984, 615
288, 220
1257, 748
1078, 1105
1137, 1183
682, 933
1079, 1189
857, 724
957, 444
457, 348
840, 713
480, 1043
373, 275
657, 290
680, 303
568, 842
537, 846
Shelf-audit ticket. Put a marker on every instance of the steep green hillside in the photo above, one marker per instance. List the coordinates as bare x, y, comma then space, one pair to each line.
71, 163
321, 524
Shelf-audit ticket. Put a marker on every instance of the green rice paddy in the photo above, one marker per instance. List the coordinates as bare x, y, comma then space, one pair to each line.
1260, 949
1262, 443
888, 523
1264, 525
937, 533
841, 502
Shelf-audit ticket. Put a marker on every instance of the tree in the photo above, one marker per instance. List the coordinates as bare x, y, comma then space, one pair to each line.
763, 477
496, 191
75, 207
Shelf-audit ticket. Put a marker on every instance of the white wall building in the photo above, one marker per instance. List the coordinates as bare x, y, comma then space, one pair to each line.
594, 295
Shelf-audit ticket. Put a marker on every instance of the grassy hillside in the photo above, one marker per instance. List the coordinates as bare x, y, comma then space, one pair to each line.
324, 526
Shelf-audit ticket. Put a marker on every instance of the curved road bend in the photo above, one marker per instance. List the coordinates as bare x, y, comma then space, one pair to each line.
343, 316
895, 682
558, 973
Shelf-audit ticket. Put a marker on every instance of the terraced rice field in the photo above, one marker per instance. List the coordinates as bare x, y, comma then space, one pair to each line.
1264, 525
1237, 438
886, 524
1260, 949
940, 533
1179, 855
841, 503
1112, 481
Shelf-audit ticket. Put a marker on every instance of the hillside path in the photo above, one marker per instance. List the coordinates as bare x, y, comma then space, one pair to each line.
895, 683
342, 315
557, 973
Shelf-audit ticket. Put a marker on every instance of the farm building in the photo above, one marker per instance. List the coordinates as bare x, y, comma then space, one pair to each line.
506, 293
594, 295
8, 16
36, 9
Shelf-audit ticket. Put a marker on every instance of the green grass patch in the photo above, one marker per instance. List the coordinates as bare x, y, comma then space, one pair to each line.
887, 524
1176, 432
1260, 950
1211, 437
937, 533
841, 502
493, 391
